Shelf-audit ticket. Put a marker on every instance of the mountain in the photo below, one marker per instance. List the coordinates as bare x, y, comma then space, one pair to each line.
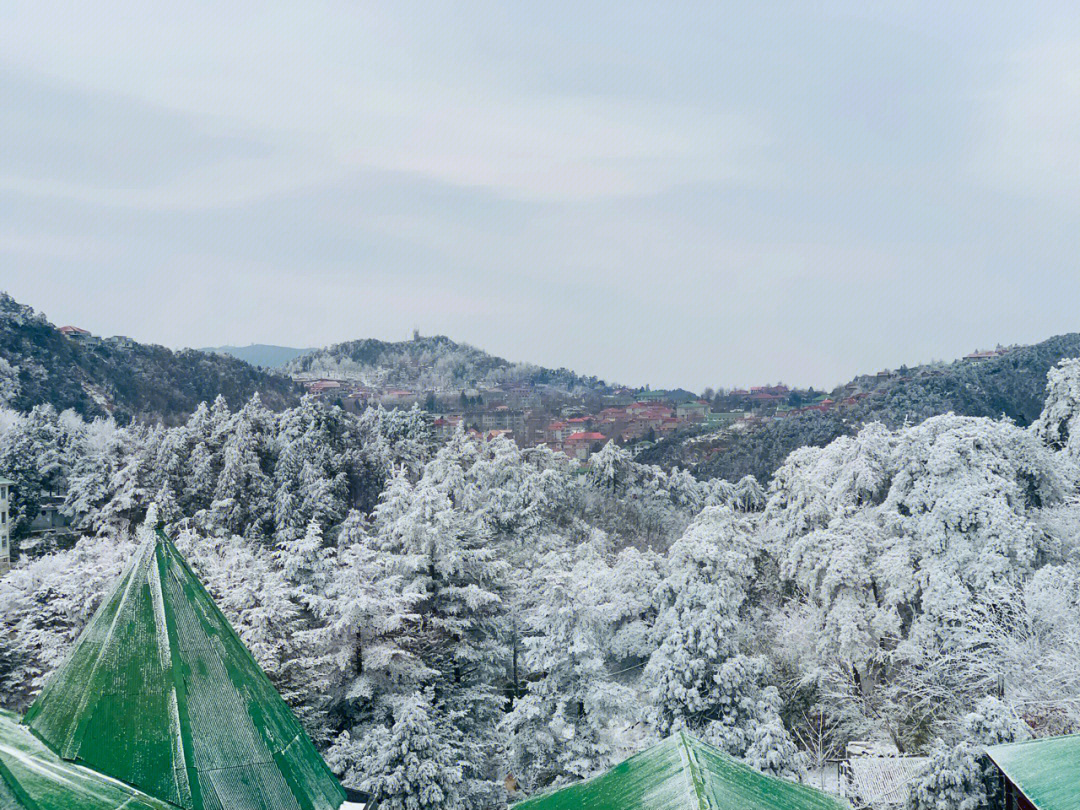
101, 376
1011, 384
260, 354
428, 363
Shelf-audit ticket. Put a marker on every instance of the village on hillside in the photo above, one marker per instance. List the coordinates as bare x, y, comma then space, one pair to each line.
580, 423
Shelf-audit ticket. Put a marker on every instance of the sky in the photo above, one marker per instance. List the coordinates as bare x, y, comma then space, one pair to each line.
680, 194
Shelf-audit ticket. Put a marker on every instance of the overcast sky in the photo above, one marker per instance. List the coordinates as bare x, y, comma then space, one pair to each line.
673, 193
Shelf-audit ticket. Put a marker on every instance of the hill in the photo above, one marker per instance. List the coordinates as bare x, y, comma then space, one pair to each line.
428, 363
117, 376
1011, 385
260, 354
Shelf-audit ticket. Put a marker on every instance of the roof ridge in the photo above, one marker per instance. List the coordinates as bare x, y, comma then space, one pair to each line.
80, 728
1032, 740
183, 719
694, 769
177, 703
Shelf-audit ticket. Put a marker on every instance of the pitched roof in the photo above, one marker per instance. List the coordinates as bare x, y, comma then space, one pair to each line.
682, 773
161, 693
33, 778
1047, 771
884, 781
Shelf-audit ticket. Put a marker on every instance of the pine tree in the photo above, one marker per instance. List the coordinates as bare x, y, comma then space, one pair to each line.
700, 679
558, 728
416, 767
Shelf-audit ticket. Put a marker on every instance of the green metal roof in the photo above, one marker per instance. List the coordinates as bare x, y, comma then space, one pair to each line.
1046, 770
6, 481
33, 778
161, 693
682, 773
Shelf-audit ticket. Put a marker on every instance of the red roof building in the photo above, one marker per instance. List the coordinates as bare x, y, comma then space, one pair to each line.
579, 445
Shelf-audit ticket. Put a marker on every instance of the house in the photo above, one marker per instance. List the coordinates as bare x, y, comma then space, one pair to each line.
556, 432
398, 397
161, 706
695, 411
5, 524
723, 419
75, 333
1039, 774
321, 386
501, 417
579, 445
446, 426
683, 773
50, 518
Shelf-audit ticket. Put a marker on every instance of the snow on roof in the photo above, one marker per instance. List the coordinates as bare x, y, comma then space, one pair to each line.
1047, 771
34, 778
159, 692
882, 782
682, 773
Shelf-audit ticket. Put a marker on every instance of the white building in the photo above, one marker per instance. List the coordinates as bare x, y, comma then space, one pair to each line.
5, 525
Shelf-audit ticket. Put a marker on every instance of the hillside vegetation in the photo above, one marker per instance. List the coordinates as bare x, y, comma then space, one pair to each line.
467, 604
1011, 386
118, 377
429, 363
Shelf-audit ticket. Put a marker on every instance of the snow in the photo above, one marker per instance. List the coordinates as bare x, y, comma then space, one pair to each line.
549, 618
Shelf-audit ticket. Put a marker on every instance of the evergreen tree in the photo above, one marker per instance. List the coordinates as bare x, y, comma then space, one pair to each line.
416, 767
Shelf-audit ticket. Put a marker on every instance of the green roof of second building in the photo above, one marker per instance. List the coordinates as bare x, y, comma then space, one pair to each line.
160, 693
682, 773
1046, 770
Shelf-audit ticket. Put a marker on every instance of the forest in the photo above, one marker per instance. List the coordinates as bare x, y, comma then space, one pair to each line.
519, 620
116, 376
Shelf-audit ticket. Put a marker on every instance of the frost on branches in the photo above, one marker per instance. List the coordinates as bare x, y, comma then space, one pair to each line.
452, 619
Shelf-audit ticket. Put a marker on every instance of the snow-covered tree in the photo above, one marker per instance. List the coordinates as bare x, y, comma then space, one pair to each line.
1059, 423
416, 766
561, 727
699, 676
960, 776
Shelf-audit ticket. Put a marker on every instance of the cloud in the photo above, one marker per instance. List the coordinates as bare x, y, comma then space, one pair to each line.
1029, 139
337, 87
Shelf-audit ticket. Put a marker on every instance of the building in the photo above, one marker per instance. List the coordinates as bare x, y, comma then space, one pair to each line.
502, 417
579, 445
50, 519
682, 773
161, 706
1039, 774
876, 776
5, 524
75, 333
693, 411
322, 386
978, 356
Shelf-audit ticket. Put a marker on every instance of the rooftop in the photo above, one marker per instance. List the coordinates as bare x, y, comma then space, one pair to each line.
1046, 770
34, 778
160, 693
682, 773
